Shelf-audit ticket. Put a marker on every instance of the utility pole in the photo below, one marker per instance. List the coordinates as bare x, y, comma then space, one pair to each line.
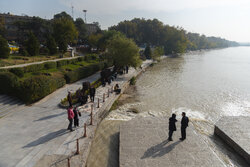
85, 11
72, 11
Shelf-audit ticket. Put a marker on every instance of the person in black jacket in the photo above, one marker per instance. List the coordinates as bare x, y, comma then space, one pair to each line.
172, 126
76, 118
184, 125
92, 93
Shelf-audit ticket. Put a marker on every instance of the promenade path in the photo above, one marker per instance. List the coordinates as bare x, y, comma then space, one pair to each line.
144, 143
38, 62
28, 133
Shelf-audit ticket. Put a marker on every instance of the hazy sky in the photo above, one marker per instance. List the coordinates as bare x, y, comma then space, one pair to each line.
229, 19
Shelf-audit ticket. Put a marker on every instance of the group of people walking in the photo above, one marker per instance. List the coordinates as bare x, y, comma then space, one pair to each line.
172, 126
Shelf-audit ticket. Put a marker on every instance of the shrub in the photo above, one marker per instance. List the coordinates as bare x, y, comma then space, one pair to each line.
89, 57
80, 59
33, 68
132, 81
8, 83
82, 72
37, 87
62, 63
50, 65
17, 71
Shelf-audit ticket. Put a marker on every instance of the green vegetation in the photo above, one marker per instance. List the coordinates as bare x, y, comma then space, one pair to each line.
32, 83
4, 48
123, 51
132, 81
51, 45
173, 39
147, 52
32, 45
157, 52
64, 32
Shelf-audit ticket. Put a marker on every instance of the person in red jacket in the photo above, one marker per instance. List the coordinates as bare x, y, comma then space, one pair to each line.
70, 117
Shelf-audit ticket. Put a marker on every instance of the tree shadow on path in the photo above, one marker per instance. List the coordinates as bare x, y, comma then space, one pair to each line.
159, 150
47, 138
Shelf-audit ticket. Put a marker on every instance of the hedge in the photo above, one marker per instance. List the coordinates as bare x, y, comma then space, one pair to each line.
8, 83
17, 71
50, 65
83, 72
37, 87
33, 68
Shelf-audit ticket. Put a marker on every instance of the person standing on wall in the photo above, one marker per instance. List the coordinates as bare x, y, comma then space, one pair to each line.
184, 125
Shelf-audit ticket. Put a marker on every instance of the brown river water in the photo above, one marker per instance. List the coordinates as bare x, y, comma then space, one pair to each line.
206, 85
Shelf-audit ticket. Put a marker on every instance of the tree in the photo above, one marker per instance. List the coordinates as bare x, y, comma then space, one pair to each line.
94, 40
148, 52
157, 52
51, 45
63, 15
2, 27
32, 45
4, 48
123, 51
81, 28
64, 32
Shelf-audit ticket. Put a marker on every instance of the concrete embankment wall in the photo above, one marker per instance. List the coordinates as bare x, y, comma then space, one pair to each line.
235, 131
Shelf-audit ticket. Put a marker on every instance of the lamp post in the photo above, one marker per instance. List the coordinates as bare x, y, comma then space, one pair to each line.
85, 11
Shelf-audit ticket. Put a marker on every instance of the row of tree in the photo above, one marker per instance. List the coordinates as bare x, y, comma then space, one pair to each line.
53, 34
173, 39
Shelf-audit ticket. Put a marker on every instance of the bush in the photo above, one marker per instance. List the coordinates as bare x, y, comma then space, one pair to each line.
82, 72
50, 65
37, 87
61, 63
132, 81
17, 71
89, 57
33, 68
8, 83
80, 59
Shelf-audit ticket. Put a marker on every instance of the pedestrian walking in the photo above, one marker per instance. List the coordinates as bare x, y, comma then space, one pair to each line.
92, 93
70, 117
69, 97
171, 127
76, 118
184, 125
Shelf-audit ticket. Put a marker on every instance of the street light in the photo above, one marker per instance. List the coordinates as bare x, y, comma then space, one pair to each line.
85, 11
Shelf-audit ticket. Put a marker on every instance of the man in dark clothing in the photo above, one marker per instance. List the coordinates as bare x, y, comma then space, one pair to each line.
126, 69
76, 119
69, 97
92, 93
184, 125
172, 127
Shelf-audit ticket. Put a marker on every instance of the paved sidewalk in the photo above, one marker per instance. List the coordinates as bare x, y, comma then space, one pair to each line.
144, 143
30, 132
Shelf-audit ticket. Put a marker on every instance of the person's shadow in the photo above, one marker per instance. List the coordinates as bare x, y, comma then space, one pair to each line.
159, 150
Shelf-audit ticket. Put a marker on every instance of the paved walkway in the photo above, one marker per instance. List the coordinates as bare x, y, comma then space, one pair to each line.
143, 143
29, 132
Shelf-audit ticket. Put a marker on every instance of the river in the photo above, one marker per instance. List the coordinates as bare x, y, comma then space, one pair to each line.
205, 84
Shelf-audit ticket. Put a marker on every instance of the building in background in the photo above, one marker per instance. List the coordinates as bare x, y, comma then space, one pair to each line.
15, 30
92, 28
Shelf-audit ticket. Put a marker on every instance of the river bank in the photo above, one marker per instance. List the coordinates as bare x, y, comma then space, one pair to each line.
207, 85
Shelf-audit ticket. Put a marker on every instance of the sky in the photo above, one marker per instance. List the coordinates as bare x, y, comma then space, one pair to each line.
221, 18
